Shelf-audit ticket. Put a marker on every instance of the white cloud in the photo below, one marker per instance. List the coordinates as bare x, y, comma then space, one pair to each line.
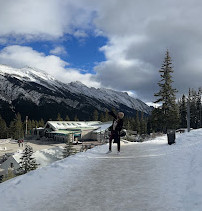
139, 32
131, 93
155, 105
47, 19
80, 34
59, 50
20, 56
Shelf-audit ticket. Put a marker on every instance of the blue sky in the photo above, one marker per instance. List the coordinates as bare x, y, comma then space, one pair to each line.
110, 43
80, 53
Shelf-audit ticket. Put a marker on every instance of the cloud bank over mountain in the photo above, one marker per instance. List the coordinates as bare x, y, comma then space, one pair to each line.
138, 34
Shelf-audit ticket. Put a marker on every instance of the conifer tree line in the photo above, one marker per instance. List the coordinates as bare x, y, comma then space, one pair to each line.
172, 114
194, 100
16, 128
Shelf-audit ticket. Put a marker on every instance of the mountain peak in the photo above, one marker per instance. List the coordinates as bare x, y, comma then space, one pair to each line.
78, 83
30, 86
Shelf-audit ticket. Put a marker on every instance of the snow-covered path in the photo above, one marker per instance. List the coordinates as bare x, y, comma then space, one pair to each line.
145, 176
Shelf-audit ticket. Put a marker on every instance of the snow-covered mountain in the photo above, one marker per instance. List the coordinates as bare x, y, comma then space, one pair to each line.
35, 93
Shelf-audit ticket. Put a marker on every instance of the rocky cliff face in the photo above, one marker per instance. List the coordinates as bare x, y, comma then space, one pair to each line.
34, 93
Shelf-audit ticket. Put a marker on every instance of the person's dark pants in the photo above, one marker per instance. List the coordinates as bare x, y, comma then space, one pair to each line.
114, 136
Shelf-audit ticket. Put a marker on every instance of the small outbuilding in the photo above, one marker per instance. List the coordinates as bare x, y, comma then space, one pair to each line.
11, 163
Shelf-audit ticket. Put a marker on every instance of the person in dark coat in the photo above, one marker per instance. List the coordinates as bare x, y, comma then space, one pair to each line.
115, 130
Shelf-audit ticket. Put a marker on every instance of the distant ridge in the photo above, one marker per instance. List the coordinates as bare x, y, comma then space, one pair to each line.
34, 93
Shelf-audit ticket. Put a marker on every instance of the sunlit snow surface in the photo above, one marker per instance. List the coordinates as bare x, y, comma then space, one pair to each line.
145, 176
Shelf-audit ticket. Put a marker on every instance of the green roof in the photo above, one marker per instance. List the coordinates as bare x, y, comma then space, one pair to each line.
65, 132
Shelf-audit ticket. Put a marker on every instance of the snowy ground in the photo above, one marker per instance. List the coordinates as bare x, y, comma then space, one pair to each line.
150, 176
44, 157
11, 146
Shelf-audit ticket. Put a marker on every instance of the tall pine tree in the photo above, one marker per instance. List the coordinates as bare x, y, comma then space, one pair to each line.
183, 112
3, 128
68, 149
166, 95
16, 128
95, 115
27, 163
67, 118
59, 118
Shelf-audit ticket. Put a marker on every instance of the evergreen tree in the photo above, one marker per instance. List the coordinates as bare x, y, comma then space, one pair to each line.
106, 116
200, 106
193, 109
36, 124
41, 123
157, 120
95, 115
59, 118
27, 163
143, 124
67, 118
33, 124
128, 124
102, 118
29, 127
110, 118
68, 149
137, 123
198, 109
76, 118
194, 100
16, 128
166, 95
3, 128
183, 112
11, 130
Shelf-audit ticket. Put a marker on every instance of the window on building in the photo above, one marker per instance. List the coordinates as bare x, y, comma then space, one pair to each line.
12, 165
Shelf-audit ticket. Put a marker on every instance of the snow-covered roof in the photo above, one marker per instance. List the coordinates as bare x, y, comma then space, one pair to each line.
63, 125
17, 156
65, 132
102, 127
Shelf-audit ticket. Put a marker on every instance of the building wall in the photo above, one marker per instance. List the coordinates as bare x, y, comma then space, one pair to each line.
87, 134
7, 164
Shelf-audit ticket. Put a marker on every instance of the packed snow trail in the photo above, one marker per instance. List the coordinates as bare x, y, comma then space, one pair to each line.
145, 176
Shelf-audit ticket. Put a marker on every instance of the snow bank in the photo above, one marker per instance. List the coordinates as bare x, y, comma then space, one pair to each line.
26, 191
47, 156
146, 176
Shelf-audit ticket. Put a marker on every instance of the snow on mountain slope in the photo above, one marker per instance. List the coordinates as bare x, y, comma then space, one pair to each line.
30, 83
109, 96
150, 176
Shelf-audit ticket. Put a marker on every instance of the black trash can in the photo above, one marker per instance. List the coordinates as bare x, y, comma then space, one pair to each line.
171, 136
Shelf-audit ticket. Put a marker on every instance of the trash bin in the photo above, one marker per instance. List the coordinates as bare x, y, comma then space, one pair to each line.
171, 136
